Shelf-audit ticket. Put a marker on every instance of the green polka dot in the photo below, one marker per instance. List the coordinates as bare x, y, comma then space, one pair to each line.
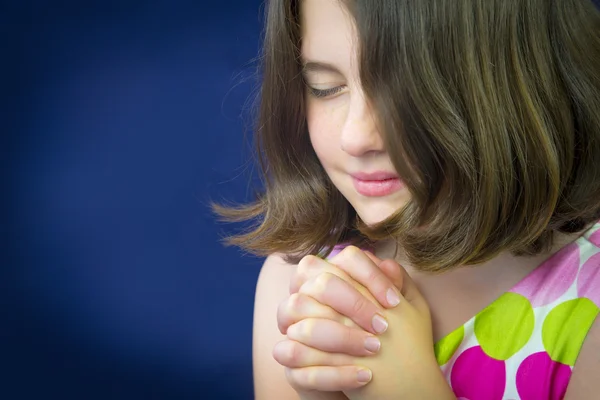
505, 326
445, 348
566, 327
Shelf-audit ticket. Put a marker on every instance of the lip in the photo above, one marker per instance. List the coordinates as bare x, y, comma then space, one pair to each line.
374, 176
376, 184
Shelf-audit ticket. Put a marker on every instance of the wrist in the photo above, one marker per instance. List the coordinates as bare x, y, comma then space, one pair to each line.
432, 383
441, 388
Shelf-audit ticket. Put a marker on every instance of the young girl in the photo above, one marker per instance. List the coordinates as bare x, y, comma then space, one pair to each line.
432, 192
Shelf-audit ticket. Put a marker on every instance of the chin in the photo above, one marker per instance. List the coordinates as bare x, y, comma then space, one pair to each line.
375, 216
375, 211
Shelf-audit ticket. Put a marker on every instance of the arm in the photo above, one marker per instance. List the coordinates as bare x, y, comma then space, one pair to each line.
584, 382
270, 382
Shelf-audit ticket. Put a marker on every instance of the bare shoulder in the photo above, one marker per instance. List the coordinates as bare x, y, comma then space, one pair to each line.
584, 382
272, 289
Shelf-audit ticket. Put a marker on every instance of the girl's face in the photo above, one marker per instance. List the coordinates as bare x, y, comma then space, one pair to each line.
341, 123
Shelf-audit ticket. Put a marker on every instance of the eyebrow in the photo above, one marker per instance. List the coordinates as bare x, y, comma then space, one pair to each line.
317, 66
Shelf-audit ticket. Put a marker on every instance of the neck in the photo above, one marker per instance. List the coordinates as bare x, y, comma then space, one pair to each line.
498, 265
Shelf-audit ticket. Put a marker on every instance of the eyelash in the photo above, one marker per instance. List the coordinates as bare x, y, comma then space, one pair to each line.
322, 93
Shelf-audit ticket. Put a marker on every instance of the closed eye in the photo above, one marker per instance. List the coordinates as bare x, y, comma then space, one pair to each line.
322, 93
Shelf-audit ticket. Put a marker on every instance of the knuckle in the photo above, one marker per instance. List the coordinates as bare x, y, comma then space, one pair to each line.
285, 316
307, 328
377, 281
307, 262
294, 303
301, 330
282, 325
291, 376
322, 280
349, 339
359, 305
352, 250
290, 354
373, 276
312, 377
281, 311
292, 331
349, 252
295, 354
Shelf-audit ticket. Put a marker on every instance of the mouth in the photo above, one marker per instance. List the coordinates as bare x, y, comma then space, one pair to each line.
376, 184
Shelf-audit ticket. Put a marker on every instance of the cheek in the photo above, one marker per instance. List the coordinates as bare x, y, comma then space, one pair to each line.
324, 129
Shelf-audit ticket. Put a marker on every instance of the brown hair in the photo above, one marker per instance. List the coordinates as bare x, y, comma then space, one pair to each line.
490, 111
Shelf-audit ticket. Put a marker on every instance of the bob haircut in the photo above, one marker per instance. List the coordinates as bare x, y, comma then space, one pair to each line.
490, 113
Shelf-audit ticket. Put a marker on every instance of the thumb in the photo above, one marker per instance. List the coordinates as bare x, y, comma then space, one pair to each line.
408, 287
401, 279
393, 271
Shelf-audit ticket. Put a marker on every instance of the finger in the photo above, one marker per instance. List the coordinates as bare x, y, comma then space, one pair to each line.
300, 306
394, 272
328, 379
409, 290
360, 267
376, 260
332, 337
399, 276
311, 266
333, 291
292, 354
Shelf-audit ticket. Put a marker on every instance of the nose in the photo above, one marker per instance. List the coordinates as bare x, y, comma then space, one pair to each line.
360, 135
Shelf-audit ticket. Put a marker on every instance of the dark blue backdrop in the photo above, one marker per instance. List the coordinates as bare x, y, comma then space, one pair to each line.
123, 120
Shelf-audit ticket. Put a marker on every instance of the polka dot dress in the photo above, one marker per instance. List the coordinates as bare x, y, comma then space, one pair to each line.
524, 345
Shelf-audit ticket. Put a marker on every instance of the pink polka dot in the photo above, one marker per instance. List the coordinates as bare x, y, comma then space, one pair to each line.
552, 278
477, 376
595, 238
538, 377
588, 283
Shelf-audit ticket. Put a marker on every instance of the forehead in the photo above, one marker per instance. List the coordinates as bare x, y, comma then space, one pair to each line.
327, 31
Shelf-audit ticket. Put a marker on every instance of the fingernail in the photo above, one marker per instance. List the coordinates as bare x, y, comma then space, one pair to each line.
372, 344
364, 375
379, 324
392, 297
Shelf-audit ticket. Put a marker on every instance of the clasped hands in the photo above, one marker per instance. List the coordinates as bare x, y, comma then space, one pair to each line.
357, 327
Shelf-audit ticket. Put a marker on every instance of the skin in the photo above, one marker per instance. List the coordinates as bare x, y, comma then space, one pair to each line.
407, 368
342, 127
299, 309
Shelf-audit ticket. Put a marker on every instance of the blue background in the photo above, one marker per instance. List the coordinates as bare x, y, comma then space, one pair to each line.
122, 120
